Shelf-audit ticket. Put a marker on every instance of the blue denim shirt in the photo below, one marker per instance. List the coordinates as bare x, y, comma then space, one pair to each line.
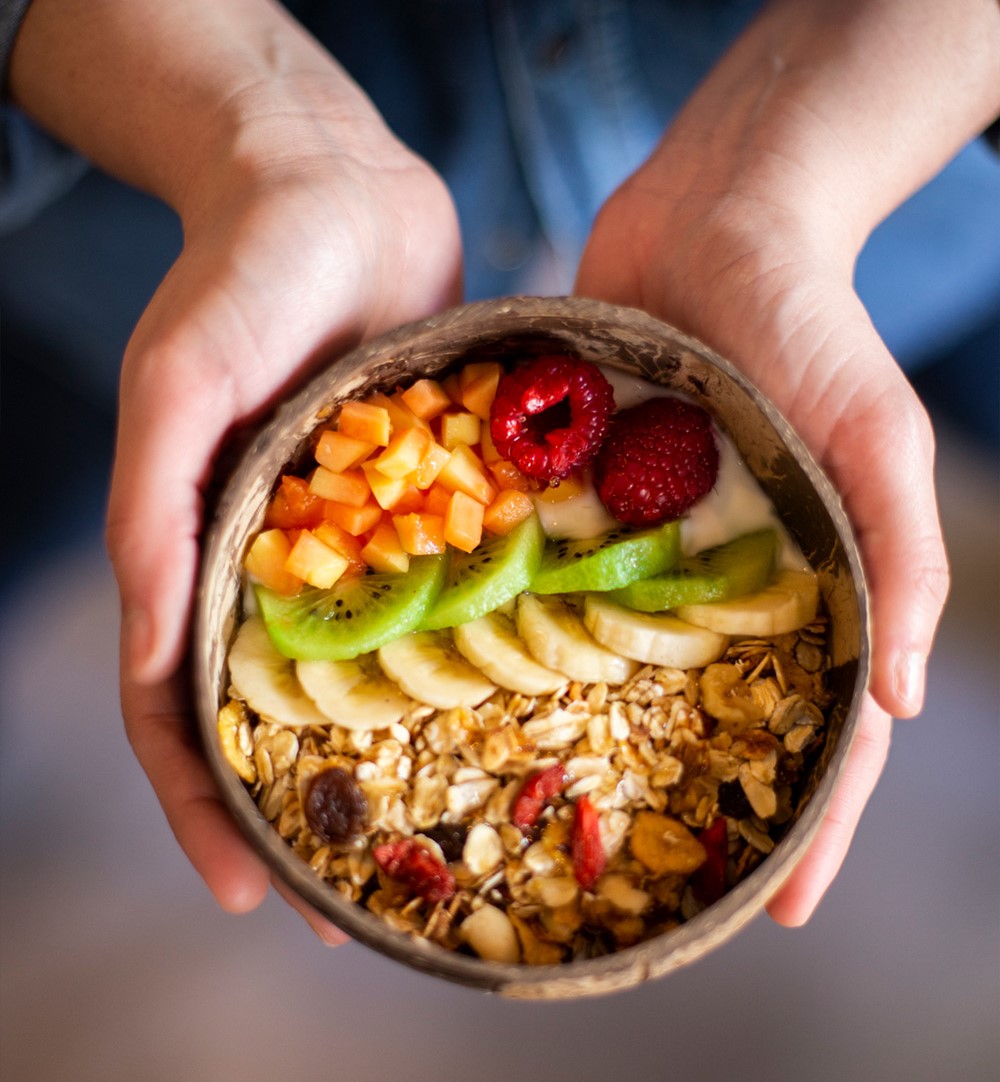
534, 112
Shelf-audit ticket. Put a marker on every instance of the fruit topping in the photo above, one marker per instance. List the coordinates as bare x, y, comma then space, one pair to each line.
538, 790
709, 881
589, 857
549, 417
659, 459
416, 867
738, 567
607, 562
335, 807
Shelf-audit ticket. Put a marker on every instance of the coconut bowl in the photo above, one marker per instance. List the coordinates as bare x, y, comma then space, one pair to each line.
622, 338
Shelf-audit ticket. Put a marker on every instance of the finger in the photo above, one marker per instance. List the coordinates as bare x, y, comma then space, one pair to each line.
882, 455
797, 900
174, 411
157, 721
329, 934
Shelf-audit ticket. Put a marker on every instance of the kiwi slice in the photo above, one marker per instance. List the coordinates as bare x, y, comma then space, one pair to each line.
356, 616
738, 567
607, 562
492, 574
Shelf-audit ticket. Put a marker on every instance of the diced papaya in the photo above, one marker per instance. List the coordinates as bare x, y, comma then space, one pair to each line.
355, 520
463, 472
458, 427
478, 383
420, 534
266, 562
315, 562
338, 452
507, 475
463, 522
426, 399
404, 453
508, 510
350, 487
383, 552
365, 421
293, 506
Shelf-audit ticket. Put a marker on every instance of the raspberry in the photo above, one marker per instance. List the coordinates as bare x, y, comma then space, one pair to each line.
415, 866
549, 417
660, 458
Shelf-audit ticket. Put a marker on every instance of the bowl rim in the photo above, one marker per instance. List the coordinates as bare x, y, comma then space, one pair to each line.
620, 969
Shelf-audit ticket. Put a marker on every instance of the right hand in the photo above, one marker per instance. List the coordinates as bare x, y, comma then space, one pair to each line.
290, 263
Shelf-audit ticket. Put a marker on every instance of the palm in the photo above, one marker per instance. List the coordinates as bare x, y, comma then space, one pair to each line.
785, 313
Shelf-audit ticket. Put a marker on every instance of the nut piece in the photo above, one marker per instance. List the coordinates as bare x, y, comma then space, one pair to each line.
236, 740
491, 935
665, 845
727, 697
483, 850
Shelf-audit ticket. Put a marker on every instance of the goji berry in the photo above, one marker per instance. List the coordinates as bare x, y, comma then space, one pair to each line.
537, 791
589, 857
709, 881
416, 867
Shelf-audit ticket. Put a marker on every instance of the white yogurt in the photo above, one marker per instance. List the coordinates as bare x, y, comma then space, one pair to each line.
736, 505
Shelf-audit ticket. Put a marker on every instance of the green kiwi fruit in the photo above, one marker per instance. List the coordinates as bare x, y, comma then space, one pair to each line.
607, 562
738, 567
357, 615
480, 581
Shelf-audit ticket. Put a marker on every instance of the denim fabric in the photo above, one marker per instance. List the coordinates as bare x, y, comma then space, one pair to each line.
533, 112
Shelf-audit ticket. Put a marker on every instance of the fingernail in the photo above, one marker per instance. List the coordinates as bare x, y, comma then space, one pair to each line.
138, 636
909, 680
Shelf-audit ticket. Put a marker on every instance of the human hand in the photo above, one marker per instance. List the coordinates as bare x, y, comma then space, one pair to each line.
316, 253
772, 293
743, 228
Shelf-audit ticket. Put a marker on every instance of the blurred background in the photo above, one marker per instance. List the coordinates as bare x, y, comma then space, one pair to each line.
115, 964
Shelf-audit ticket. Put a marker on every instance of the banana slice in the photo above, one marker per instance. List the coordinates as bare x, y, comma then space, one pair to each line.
265, 680
789, 602
556, 638
355, 694
426, 665
491, 643
655, 638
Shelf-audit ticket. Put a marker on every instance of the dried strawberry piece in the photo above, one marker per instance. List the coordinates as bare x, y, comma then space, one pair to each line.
537, 791
660, 458
550, 416
709, 881
415, 865
589, 857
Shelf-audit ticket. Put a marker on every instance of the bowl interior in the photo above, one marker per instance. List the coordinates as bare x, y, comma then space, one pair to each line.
622, 338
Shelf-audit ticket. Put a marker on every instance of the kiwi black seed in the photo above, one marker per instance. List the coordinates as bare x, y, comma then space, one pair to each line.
606, 562
357, 615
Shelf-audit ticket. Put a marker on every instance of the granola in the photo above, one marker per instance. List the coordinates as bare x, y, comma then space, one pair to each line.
692, 776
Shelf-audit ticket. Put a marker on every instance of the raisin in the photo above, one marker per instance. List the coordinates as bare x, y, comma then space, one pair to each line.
335, 807
450, 837
733, 801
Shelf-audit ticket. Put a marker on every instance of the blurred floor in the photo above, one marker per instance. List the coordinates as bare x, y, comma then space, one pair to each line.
116, 965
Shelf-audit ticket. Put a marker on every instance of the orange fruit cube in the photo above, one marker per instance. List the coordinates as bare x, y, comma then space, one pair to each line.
266, 562
507, 475
487, 447
430, 466
355, 520
508, 510
420, 534
338, 452
314, 561
350, 487
404, 454
436, 500
293, 506
463, 472
458, 428
400, 414
426, 399
478, 387
365, 421
383, 552
340, 540
564, 489
463, 522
